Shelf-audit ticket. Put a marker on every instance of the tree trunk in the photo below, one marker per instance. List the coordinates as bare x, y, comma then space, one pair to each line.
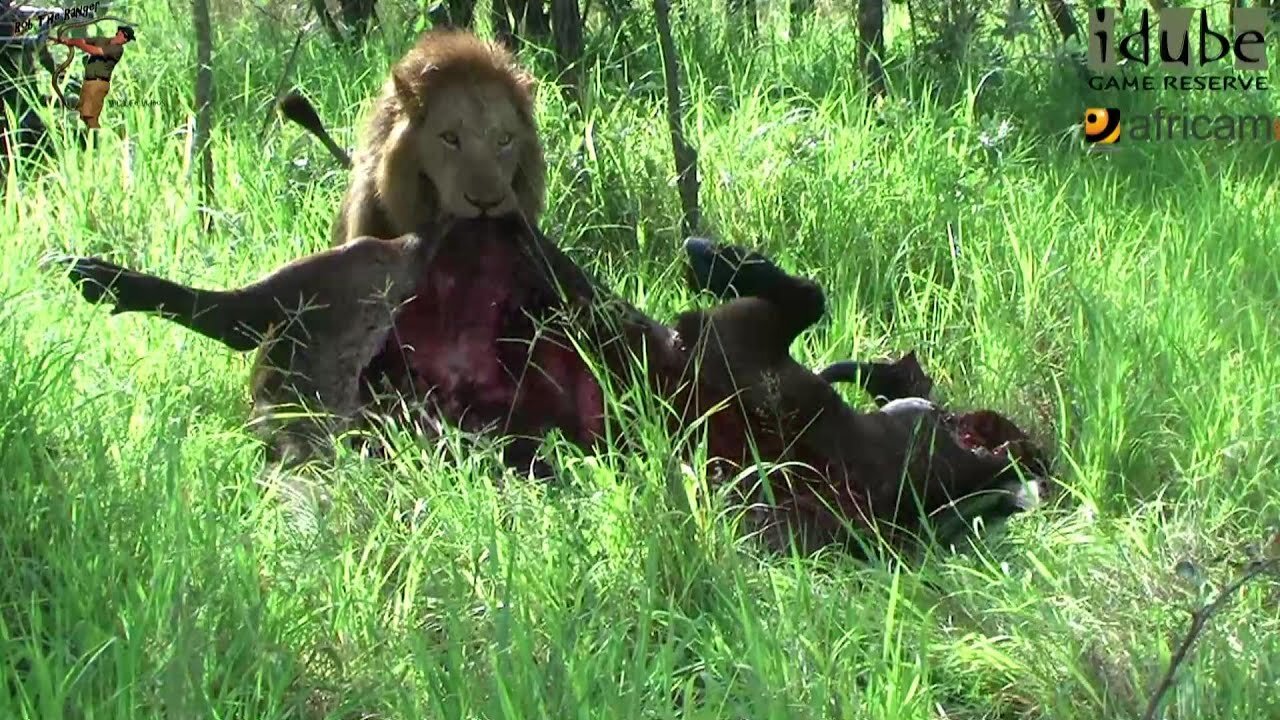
617, 11
743, 10
500, 19
534, 22
566, 29
1061, 15
356, 15
326, 20
686, 156
871, 43
454, 13
204, 107
462, 12
18, 82
801, 11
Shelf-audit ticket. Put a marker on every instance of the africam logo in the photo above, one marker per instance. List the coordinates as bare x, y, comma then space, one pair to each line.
1102, 127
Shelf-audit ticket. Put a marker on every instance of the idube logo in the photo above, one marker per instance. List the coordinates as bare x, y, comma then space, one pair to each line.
1178, 52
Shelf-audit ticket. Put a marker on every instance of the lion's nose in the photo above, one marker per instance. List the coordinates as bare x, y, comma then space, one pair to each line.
484, 204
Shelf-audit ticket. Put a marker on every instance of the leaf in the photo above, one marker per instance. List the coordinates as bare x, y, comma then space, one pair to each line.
1017, 22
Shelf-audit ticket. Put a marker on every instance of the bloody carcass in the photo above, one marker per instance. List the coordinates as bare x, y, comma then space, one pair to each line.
487, 325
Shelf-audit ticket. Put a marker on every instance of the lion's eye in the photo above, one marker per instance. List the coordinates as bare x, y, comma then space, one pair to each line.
450, 138
504, 140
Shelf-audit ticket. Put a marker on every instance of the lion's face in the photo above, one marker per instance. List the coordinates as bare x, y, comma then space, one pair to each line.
470, 143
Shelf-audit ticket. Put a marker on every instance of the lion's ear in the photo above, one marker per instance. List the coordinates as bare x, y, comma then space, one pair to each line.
406, 95
525, 82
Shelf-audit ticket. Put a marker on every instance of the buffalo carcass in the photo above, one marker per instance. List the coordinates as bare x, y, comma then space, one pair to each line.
498, 329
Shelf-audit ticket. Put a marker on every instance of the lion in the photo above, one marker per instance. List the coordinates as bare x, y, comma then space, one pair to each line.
452, 133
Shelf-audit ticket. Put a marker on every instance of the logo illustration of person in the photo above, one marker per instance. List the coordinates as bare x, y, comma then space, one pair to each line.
101, 56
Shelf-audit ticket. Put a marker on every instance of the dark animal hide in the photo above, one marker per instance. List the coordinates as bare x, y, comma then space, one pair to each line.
479, 318
729, 271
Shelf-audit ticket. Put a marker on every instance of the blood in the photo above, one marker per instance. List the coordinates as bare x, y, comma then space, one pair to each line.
985, 429
469, 342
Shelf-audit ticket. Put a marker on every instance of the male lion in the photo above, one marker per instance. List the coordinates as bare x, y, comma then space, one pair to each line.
452, 133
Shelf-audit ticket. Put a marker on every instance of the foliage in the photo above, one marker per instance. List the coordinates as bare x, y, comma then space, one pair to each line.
1122, 305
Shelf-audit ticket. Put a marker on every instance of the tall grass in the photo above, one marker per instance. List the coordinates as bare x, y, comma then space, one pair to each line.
1122, 306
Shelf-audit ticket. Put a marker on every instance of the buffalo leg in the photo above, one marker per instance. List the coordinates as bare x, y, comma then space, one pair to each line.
215, 314
729, 270
317, 322
241, 318
902, 379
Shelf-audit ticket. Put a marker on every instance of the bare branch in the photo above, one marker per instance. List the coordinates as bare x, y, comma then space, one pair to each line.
1199, 619
204, 106
289, 65
686, 156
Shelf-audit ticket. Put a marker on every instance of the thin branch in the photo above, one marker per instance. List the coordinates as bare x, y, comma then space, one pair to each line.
1199, 619
686, 156
289, 65
204, 106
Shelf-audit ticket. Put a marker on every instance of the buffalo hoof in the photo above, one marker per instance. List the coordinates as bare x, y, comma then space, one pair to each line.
726, 271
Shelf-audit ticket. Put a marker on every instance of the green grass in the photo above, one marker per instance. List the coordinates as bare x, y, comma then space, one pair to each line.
1123, 307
